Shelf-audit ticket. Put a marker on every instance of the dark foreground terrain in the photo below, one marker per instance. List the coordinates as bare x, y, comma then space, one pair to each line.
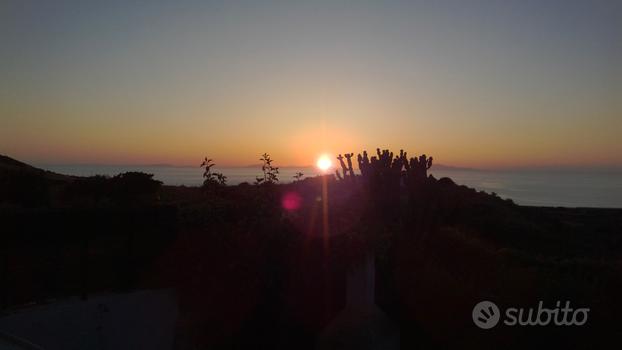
266, 266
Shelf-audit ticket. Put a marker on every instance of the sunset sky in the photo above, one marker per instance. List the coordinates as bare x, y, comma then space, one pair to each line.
473, 83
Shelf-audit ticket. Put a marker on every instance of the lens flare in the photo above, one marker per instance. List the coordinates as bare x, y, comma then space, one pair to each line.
291, 201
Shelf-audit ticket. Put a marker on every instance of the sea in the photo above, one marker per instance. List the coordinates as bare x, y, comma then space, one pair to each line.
536, 187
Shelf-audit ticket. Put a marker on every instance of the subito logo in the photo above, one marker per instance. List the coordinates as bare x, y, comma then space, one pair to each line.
486, 314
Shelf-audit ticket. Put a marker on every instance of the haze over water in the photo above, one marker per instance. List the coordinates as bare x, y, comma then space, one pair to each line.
568, 188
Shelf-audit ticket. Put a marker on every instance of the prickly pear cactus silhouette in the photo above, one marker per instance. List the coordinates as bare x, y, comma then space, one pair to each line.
347, 170
386, 175
417, 168
364, 165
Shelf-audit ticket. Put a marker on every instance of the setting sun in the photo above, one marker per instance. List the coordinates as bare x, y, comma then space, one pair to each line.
324, 162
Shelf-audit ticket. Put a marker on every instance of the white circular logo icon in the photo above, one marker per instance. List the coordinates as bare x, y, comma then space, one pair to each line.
486, 314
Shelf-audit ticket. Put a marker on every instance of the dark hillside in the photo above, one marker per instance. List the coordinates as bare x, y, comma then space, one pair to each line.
259, 265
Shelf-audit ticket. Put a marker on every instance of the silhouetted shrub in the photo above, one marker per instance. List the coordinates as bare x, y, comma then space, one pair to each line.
270, 173
92, 190
298, 176
212, 180
135, 188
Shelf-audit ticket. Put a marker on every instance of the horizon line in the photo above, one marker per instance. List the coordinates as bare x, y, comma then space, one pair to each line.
601, 167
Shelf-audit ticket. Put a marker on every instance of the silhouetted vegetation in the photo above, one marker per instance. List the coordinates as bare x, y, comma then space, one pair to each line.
127, 189
251, 272
298, 176
270, 172
135, 188
212, 179
89, 191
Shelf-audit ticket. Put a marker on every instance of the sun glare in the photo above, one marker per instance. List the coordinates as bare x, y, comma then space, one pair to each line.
324, 163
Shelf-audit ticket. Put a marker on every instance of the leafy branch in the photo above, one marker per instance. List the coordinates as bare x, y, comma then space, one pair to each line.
270, 172
212, 179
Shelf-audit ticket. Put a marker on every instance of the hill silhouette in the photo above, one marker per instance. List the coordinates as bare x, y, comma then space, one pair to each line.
265, 264
10, 166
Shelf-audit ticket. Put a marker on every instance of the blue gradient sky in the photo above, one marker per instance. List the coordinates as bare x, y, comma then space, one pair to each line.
475, 83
